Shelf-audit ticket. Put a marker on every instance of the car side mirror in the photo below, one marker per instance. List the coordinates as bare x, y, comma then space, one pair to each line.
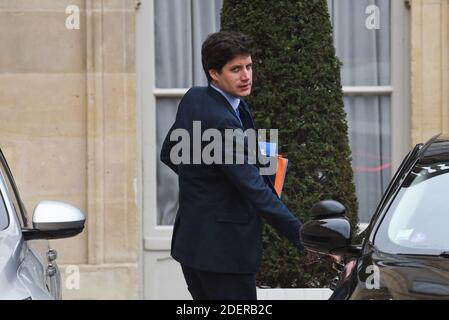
328, 209
55, 220
329, 232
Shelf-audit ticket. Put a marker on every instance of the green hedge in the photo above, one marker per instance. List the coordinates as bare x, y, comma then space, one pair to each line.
297, 90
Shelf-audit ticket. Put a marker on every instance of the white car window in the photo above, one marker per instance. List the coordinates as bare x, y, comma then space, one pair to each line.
13, 193
4, 219
418, 217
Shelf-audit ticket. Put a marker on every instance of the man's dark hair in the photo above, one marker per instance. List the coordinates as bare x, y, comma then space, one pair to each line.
223, 46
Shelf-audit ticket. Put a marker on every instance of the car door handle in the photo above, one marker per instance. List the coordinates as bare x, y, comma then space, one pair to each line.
51, 270
52, 255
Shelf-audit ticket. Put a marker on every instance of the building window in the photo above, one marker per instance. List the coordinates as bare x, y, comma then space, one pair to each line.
361, 31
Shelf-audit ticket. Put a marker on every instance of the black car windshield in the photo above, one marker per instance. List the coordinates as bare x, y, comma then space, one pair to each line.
417, 221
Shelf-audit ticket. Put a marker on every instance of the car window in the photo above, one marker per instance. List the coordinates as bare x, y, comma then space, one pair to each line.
4, 218
417, 220
13, 192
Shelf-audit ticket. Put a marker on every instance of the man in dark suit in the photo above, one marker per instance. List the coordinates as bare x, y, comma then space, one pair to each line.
217, 235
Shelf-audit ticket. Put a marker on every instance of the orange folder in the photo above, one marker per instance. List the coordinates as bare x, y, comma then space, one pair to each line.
281, 171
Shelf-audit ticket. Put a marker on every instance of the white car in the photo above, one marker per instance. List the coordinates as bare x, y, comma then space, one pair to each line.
28, 268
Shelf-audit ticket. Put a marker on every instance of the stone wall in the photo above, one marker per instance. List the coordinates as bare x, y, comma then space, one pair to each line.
68, 128
429, 68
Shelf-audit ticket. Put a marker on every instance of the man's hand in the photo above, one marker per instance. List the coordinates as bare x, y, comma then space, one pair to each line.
333, 258
313, 257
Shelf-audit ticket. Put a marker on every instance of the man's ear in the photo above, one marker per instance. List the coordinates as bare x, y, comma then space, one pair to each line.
213, 74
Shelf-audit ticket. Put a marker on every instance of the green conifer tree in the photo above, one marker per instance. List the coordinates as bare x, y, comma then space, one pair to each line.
297, 90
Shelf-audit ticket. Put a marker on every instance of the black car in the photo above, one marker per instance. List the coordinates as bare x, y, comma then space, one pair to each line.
404, 252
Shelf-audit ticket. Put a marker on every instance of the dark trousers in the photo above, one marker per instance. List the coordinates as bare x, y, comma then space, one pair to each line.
204, 285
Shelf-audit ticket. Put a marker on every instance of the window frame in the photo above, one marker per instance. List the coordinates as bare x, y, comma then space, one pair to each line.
399, 88
155, 237
12, 191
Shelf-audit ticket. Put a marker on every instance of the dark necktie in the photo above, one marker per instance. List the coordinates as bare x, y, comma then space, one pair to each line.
244, 117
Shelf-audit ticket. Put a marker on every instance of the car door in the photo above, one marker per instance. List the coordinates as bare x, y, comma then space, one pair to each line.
38, 250
344, 283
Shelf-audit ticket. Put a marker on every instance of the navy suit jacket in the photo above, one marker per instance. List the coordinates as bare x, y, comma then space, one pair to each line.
218, 226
